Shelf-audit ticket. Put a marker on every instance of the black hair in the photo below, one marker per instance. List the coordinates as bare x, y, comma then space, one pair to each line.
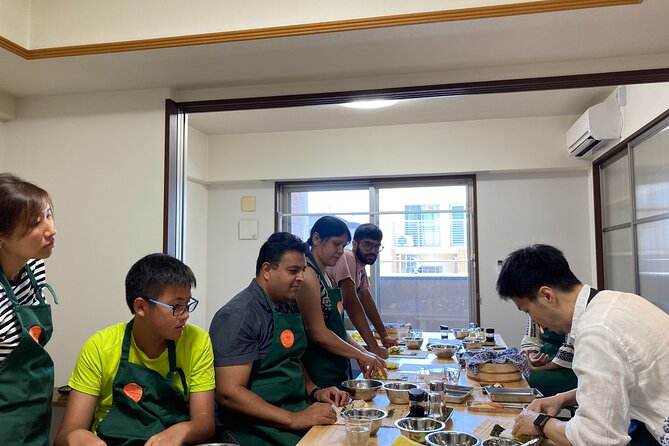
526, 270
149, 276
327, 227
276, 246
368, 230
22, 204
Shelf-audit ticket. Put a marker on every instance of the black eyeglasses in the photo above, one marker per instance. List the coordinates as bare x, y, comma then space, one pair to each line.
178, 310
371, 246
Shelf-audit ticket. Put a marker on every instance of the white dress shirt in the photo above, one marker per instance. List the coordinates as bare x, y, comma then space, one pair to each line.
621, 360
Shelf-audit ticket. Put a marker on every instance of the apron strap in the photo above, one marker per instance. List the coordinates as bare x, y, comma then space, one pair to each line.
9, 292
315, 267
593, 293
38, 288
171, 355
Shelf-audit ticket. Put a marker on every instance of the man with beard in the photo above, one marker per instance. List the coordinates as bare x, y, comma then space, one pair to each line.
350, 275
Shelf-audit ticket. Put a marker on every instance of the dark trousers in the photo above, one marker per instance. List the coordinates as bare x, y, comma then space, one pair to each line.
640, 435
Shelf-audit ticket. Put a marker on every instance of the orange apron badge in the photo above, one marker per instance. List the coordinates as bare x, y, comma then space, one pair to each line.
133, 391
287, 338
35, 331
340, 307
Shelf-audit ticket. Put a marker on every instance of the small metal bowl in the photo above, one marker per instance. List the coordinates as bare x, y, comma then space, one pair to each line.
362, 389
472, 344
452, 438
500, 442
376, 415
460, 333
413, 343
444, 351
417, 429
398, 392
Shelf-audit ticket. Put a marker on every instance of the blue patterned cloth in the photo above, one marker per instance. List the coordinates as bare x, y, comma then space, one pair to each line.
664, 439
487, 355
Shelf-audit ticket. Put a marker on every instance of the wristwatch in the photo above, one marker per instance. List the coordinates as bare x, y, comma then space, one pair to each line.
540, 421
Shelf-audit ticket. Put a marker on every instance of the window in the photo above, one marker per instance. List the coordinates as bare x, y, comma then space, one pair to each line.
425, 273
634, 195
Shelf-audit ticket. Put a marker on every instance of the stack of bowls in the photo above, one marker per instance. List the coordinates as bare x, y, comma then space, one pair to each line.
452, 438
398, 392
376, 415
417, 429
362, 389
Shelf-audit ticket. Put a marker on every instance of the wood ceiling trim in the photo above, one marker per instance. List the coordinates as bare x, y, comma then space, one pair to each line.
532, 7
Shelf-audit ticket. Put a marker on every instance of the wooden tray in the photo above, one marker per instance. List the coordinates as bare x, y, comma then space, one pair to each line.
496, 373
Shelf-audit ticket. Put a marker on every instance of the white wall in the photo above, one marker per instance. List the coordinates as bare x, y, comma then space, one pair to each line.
3, 146
15, 21
466, 146
195, 249
101, 158
476, 146
230, 261
82, 21
520, 209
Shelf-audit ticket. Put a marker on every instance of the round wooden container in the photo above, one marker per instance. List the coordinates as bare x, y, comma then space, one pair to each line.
496, 373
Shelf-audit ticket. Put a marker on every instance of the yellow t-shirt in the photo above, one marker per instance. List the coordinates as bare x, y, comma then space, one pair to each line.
101, 354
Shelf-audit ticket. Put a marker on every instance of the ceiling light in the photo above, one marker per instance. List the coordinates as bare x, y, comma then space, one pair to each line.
373, 103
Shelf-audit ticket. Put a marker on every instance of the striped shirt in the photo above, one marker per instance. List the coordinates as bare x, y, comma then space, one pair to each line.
10, 328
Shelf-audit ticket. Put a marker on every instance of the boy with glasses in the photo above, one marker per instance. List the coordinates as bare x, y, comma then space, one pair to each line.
351, 276
150, 380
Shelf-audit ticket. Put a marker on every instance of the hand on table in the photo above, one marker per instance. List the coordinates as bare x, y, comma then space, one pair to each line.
388, 341
369, 364
332, 395
380, 352
538, 359
315, 414
551, 405
524, 423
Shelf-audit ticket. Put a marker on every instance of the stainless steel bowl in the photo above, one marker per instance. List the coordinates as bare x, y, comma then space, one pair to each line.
417, 429
398, 392
376, 415
472, 344
452, 438
501, 442
413, 343
362, 389
444, 351
460, 333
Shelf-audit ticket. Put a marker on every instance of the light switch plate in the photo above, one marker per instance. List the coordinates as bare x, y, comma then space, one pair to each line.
248, 204
248, 229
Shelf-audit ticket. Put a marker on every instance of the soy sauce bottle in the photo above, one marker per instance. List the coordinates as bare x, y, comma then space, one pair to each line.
417, 403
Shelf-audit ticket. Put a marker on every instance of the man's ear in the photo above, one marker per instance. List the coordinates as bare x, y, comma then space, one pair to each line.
140, 304
354, 245
266, 271
547, 294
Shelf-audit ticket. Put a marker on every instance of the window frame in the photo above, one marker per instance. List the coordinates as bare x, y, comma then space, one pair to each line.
283, 188
624, 148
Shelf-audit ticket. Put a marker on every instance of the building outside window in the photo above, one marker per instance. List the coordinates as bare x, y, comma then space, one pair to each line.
425, 274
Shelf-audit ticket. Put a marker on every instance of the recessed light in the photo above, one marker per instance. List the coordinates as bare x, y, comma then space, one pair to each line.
372, 103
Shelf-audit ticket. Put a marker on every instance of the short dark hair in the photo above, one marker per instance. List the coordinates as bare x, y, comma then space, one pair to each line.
329, 226
276, 246
149, 276
526, 270
22, 204
368, 230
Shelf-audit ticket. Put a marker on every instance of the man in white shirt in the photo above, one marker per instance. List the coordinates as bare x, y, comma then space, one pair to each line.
621, 357
351, 276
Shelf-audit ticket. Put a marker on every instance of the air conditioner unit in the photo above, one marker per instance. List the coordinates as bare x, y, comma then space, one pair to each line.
405, 240
598, 126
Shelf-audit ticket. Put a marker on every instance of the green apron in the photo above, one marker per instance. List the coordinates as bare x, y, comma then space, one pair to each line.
550, 382
143, 402
26, 375
278, 379
327, 369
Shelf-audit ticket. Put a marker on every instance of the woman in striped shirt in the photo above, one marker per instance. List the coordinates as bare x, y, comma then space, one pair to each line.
26, 371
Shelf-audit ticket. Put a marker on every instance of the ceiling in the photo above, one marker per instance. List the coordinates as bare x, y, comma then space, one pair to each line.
408, 111
598, 39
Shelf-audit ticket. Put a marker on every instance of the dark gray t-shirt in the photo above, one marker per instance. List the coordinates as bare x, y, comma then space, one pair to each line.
242, 330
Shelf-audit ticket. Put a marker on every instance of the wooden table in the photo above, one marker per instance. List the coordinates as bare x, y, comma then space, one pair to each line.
461, 420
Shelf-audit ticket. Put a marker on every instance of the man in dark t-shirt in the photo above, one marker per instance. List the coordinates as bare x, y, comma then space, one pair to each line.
263, 392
